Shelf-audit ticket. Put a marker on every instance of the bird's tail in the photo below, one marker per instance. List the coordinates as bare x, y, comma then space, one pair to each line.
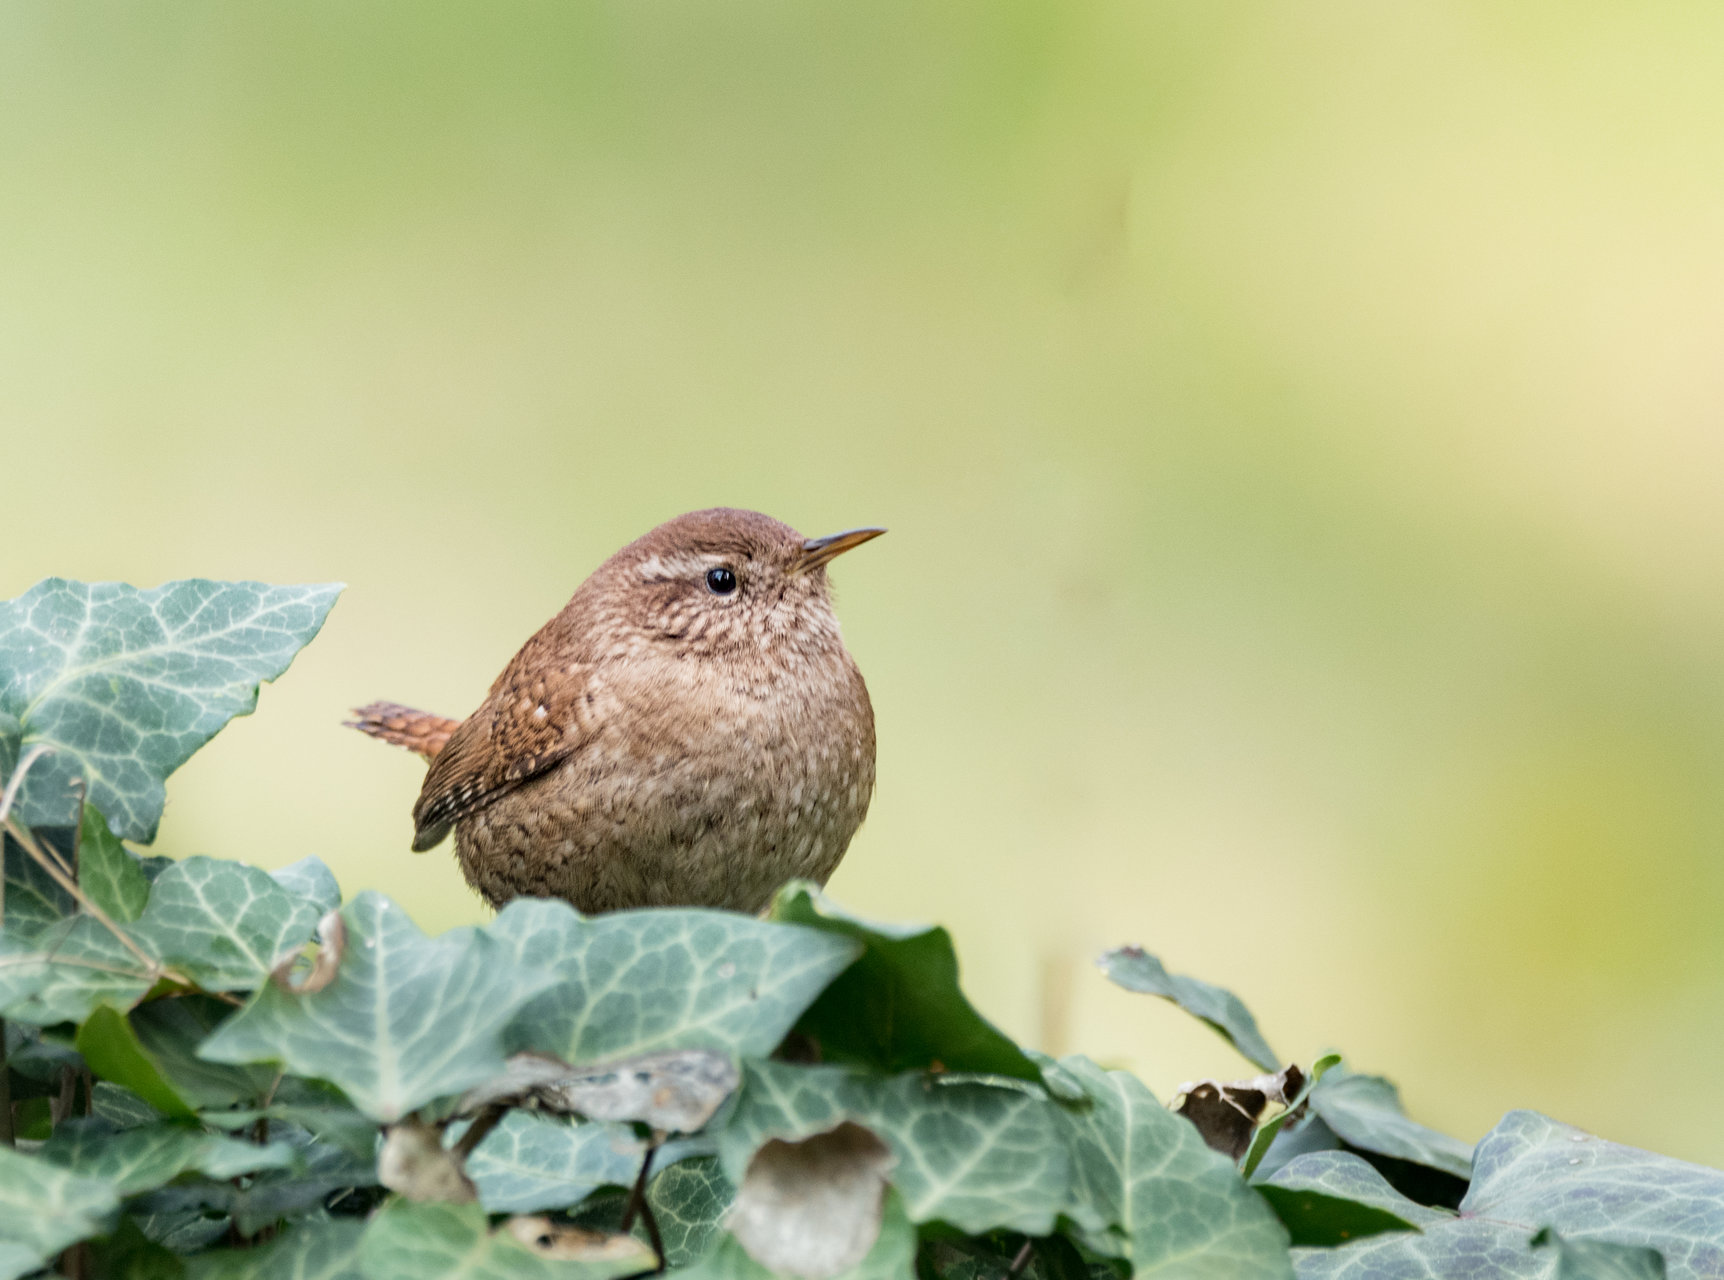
419, 731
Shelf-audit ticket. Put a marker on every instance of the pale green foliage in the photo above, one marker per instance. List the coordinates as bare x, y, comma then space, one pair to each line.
249, 1077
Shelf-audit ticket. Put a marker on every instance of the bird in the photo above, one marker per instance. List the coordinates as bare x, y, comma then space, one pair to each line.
689, 730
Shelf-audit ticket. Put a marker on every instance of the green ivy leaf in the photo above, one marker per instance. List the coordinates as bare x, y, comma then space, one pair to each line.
314, 1249
128, 1254
185, 1231
120, 1107
109, 872
1532, 1173
324, 1168
125, 684
1332, 1197
900, 1006
975, 1156
689, 1200
407, 1019
1365, 1112
531, 1162
310, 878
146, 1157
1534, 1170
63, 972
1599, 1259
34, 900
1136, 970
1145, 1186
224, 924
633, 982
409, 1241
113, 1051
44, 1208
171, 1030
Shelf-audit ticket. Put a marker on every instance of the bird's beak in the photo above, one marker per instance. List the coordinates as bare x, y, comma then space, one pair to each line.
817, 551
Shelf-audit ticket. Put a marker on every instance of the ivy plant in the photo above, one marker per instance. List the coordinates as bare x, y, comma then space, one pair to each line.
211, 1070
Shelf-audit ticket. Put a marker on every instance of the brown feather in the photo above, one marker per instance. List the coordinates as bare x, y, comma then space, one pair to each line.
527, 723
418, 731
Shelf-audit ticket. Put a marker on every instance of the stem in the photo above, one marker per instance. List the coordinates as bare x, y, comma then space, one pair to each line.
7, 1134
478, 1131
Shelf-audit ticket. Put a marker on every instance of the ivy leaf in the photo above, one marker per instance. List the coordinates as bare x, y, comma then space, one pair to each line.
1331, 1197
66, 970
315, 1249
324, 1168
186, 1231
1366, 1113
120, 1107
1146, 1187
113, 1052
43, 1209
141, 1159
972, 1155
1599, 1259
34, 900
1136, 970
413, 1241
224, 924
1534, 1170
310, 878
1532, 1173
109, 872
689, 1200
900, 1006
407, 1018
170, 1031
531, 1162
125, 684
632, 982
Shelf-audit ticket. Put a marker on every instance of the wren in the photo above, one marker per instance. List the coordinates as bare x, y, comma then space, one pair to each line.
689, 731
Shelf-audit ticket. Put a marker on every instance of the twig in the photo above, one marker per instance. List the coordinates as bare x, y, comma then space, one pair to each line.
1022, 1259
60, 1108
478, 1131
6, 1134
638, 1203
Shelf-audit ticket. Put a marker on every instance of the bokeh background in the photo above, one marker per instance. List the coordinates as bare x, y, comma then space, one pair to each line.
1300, 428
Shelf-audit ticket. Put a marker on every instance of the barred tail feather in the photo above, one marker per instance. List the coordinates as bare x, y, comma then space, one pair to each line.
418, 731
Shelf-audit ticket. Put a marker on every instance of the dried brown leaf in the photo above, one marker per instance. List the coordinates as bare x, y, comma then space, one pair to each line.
563, 1243
675, 1091
1226, 1112
325, 964
813, 1208
414, 1162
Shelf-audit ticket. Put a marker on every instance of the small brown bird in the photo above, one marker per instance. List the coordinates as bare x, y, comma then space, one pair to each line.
688, 731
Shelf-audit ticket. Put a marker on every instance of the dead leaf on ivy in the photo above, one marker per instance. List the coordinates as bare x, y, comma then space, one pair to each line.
1226, 1112
563, 1243
325, 964
812, 1208
414, 1162
674, 1091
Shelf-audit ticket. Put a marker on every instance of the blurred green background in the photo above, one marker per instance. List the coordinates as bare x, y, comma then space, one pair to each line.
1300, 428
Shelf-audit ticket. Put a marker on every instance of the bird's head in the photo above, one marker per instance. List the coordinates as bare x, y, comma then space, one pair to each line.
725, 580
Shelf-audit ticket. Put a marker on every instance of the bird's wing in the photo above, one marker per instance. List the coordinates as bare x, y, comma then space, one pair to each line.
534, 717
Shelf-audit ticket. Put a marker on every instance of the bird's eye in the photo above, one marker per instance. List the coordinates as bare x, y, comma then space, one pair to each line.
721, 582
